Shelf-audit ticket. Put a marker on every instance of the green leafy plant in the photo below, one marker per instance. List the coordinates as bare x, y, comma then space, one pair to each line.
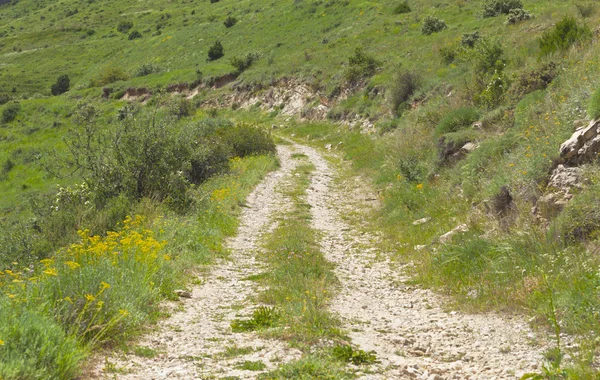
61, 86
262, 317
432, 25
230, 21
243, 63
147, 69
215, 51
594, 105
10, 112
494, 8
134, 35
401, 8
456, 120
124, 26
347, 353
109, 74
517, 15
361, 65
470, 39
564, 34
403, 87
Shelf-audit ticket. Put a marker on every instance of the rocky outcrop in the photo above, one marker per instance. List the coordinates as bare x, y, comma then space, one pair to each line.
583, 146
562, 181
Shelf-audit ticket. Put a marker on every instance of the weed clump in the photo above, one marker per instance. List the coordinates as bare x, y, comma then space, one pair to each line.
262, 317
109, 74
134, 35
10, 112
242, 64
517, 15
565, 34
147, 69
495, 8
470, 39
432, 25
457, 120
534, 80
403, 87
585, 10
61, 86
230, 21
361, 65
215, 51
594, 106
349, 354
124, 26
401, 8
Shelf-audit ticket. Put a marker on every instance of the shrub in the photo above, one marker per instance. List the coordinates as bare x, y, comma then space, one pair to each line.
214, 1
457, 120
402, 8
494, 93
432, 25
61, 86
448, 53
246, 140
404, 85
10, 112
124, 26
134, 35
180, 107
494, 8
243, 63
580, 219
517, 15
470, 39
585, 10
361, 65
147, 69
4, 98
534, 80
109, 74
215, 51
488, 56
594, 105
230, 21
566, 33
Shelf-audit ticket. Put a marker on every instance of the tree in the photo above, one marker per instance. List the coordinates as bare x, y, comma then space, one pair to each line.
216, 51
61, 86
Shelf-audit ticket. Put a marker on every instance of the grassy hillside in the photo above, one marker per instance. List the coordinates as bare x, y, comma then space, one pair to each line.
433, 76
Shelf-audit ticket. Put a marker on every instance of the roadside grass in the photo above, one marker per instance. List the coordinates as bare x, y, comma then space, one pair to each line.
104, 290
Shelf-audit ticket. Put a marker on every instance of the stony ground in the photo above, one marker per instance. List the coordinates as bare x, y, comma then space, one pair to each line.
412, 331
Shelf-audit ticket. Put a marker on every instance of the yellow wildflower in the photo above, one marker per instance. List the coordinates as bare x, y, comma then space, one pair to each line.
68, 299
51, 272
167, 257
420, 186
11, 296
72, 264
104, 285
100, 304
123, 312
1, 342
90, 297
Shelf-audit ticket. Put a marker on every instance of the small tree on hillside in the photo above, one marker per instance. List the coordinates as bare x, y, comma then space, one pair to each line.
61, 86
216, 51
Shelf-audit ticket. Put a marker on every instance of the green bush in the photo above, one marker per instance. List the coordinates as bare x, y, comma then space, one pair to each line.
215, 51
147, 69
361, 65
517, 15
134, 35
448, 53
230, 21
243, 63
61, 86
494, 8
403, 87
488, 56
246, 140
124, 26
457, 120
594, 105
565, 34
494, 93
4, 98
534, 80
10, 112
402, 8
34, 346
109, 74
470, 39
433, 25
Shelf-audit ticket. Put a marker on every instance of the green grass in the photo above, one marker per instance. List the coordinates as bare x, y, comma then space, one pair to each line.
252, 366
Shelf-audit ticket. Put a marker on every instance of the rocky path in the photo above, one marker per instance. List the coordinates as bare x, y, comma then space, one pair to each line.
413, 334
198, 343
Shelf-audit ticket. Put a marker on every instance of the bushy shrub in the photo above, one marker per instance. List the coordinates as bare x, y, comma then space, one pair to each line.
4, 98
594, 105
456, 120
585, 9
230, 21
580, 220
361, 65
433, 25
494, 93
215, 51
247, 140
134, 35
180, 107
403, 87
488, 56
109, 74
470, 39
517, 15
241, 64
214, 1
566, 33
448, 53
494, 8
61, 86
124, 26
147, 69
534, 80
10, 112
401, 8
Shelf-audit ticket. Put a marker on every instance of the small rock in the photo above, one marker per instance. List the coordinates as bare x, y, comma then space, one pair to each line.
421, 221
447, 237
183, 293
328, 146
